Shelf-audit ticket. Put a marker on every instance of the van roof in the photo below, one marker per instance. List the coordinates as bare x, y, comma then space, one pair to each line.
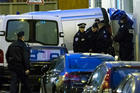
69, 13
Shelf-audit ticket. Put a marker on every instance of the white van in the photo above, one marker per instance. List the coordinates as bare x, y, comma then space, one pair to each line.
39, 31
71, 18
45, 28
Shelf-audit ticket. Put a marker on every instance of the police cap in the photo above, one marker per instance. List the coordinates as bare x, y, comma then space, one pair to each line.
82, 25
97, 19
20, 34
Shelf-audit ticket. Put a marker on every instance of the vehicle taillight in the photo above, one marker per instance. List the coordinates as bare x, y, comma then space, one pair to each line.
70, 77
1, 56
106, 82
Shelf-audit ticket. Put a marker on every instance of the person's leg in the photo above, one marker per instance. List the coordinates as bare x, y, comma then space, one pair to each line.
14, 82
26, 84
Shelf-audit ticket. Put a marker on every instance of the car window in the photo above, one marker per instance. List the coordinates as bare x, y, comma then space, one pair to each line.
60, 65
53, 63
137, 83
56, 62
98, 76
129, 86
118, 74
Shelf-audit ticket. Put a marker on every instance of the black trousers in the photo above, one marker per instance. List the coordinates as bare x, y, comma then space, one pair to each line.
16, 77
126, 52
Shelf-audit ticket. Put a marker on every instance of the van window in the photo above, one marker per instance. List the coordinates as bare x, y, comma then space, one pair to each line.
16, 26
36, 31
46, 32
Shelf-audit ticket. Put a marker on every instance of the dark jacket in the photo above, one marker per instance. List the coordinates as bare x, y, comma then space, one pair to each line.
125, 39
92, 39
17, 56
104, 40
80, 42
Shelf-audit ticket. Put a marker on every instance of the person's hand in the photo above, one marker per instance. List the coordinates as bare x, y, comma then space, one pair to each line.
27, 72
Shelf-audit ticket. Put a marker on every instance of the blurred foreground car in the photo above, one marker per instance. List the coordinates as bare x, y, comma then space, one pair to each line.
69, 73
131, 84
107, 76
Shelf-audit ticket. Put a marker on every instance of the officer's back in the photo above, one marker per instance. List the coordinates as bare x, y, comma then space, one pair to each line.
92, 34
104, 40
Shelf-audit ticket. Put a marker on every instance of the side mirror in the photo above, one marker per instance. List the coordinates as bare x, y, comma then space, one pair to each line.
44, 68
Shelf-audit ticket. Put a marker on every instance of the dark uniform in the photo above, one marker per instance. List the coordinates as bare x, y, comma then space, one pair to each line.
104, 40
125, 39
18, 62
92, 38
80, 40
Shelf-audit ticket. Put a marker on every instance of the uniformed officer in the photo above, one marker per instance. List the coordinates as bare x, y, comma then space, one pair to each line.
104, 40
125, 39
17, 57
92, 38
80, 39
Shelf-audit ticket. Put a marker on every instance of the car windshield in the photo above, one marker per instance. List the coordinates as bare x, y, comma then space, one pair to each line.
118, 74
84, 63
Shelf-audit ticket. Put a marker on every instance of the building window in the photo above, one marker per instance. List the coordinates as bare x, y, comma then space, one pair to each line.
98, 3
130, 6
126, 5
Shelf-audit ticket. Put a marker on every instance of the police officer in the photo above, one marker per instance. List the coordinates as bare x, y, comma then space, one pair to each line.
80, 39
18, 63
125, 39
104, 40
92, 38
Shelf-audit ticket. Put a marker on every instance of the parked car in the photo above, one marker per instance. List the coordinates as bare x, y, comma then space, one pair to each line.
70, 72
131, 84
108, 75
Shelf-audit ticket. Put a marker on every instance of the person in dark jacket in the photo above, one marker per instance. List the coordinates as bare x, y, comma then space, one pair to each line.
125, 39
92, 38
80, 39
104, 40
17, 57
97, 21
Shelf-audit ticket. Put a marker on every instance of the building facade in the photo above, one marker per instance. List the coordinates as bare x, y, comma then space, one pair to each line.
126, 5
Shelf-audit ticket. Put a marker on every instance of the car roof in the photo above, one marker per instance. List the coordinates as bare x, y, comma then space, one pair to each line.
87, 55
129, 64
